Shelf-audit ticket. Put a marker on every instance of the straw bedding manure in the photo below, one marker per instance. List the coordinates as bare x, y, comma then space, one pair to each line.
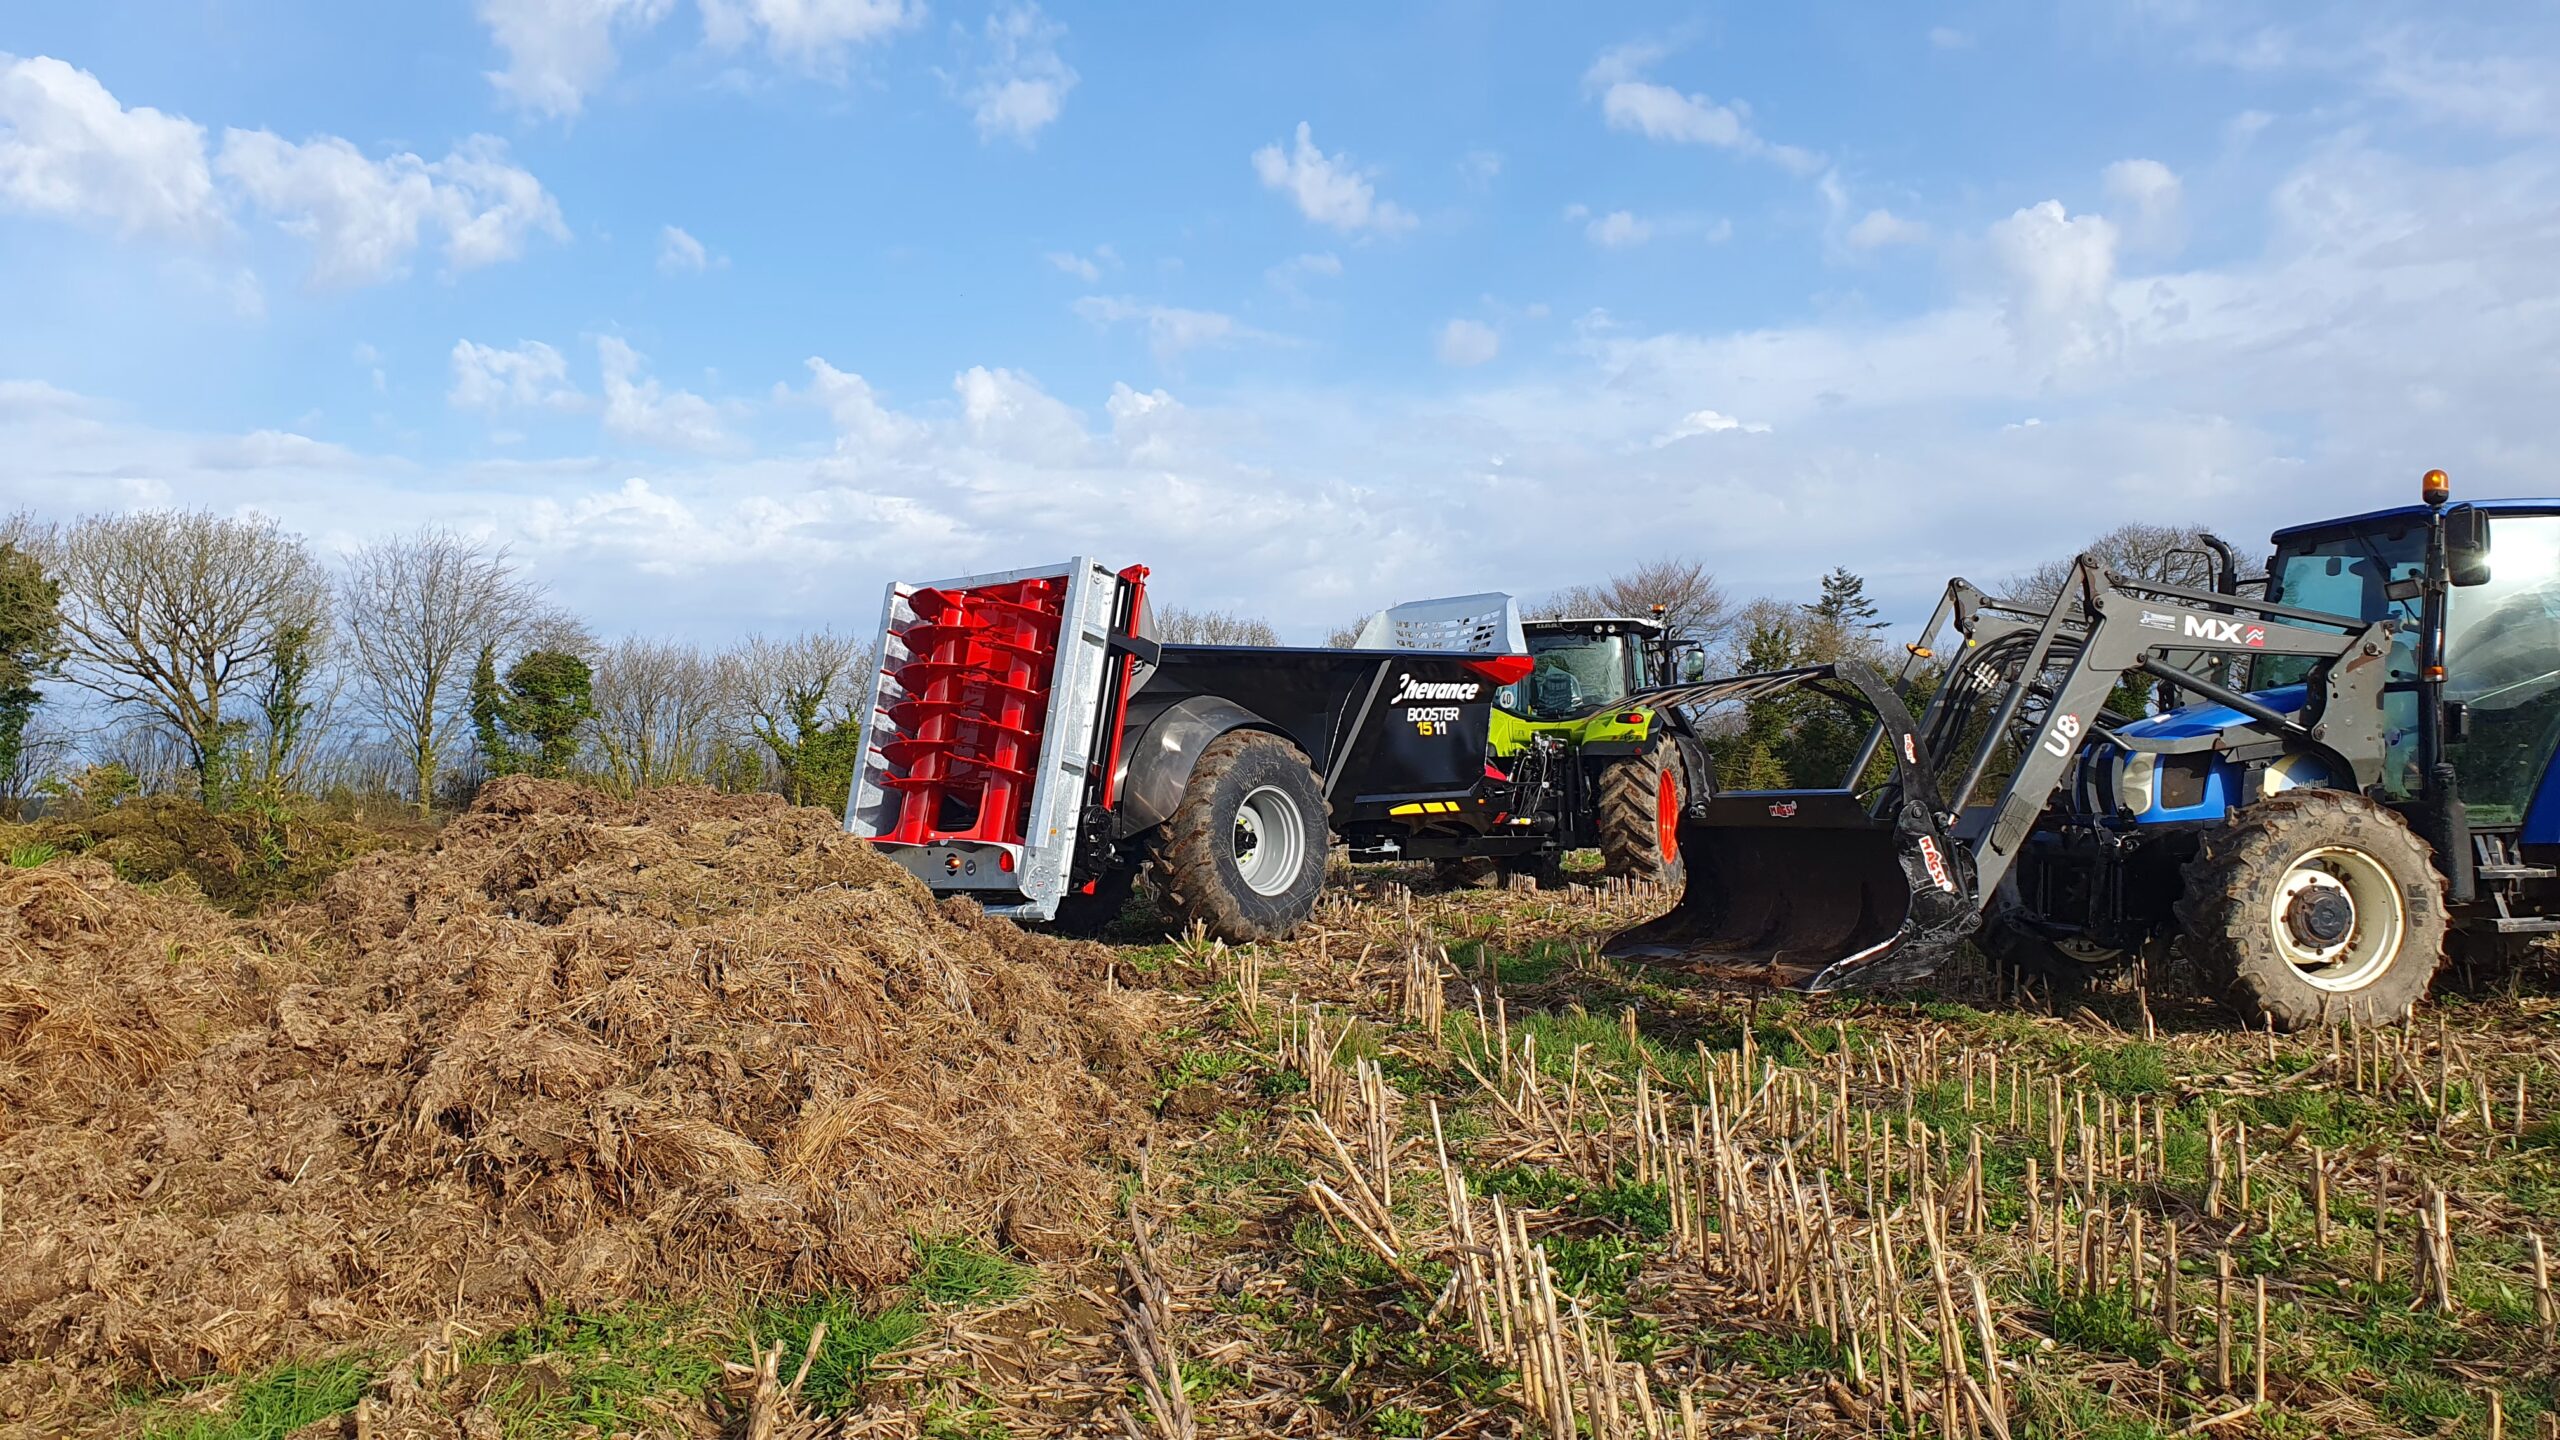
584, 1049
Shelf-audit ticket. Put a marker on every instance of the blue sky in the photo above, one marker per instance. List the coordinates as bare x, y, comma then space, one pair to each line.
721, 312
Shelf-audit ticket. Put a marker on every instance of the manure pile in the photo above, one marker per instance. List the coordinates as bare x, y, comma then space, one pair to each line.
584, 1049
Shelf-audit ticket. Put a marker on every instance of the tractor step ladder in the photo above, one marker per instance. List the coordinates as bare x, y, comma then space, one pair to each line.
980, 732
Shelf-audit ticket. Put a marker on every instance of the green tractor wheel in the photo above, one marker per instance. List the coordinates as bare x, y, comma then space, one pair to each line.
1639, 820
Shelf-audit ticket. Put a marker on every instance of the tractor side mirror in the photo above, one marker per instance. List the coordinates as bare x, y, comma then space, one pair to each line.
2457, 722
2466, 546
1693, 666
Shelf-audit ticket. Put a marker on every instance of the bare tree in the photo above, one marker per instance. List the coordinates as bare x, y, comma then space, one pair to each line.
2171, 554
1693, 606
660, 705
417, 608
798, 697
1177, 626
168, 614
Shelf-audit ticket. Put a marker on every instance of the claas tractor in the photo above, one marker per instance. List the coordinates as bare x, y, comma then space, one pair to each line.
1581, 762
2346, 765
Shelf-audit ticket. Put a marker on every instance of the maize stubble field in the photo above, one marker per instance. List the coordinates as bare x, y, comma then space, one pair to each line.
689, 1116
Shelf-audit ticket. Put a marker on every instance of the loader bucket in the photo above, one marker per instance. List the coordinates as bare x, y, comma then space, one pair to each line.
1808, 891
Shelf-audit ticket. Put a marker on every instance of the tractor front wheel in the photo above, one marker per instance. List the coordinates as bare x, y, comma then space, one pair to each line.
1639, 821
1244, 853
2316, 905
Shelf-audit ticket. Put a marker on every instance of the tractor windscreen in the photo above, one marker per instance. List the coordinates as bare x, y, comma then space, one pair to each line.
1815, 889
1575, 673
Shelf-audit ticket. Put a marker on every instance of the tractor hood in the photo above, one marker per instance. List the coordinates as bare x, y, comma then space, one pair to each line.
2166, 769
2189, 722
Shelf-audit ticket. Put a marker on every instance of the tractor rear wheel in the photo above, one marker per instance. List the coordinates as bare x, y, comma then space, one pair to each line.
1244, 853
1639, 819
2316, 905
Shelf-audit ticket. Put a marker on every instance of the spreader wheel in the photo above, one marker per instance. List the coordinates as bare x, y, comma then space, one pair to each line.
2316, 905
1639, 821
1244, 853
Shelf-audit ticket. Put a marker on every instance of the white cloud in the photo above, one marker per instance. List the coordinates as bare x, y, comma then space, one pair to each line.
1707, 422
1480, 168
23, 398
1880, 227
1024, 84
637, 408
1010, 414
1624, 229
559, 51
1659, 112
1289, 276
1468, 342
1170, 330
70, 151
363, 217
1070, 263
531, 375
865, 428
680, 254
2358, 343
2060, 273
1948, 37
814, 33
1328, 189
2156, 203
1617, 230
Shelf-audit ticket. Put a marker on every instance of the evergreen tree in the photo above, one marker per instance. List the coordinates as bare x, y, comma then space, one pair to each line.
488, 715
1844, 607
529, 725
550, 696
30, 644
282, 703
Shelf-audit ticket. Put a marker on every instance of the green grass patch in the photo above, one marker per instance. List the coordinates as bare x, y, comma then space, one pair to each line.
31, 855
855, 1342
1599, 1268
1774, 1353
954, 1271
1202, 1066
612, 1370
2133, 1069
1644, 1208
2104, 1321
272, 1404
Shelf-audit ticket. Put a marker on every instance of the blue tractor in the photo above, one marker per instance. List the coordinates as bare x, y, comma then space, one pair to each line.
2346, 768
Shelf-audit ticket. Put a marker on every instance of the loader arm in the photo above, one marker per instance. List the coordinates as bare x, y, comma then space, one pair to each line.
1822, 889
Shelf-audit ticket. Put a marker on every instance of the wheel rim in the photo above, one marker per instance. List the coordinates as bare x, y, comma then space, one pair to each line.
1666, 819
2087, 952
2337, 918
1270, 841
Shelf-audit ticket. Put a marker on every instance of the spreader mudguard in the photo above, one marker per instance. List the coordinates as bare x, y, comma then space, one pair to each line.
1816, 889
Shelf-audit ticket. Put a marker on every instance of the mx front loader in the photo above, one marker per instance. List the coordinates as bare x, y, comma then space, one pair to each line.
2349, 762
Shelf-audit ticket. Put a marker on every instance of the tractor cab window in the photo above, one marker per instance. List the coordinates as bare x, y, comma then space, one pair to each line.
2502, 662
1575, 673
2349, 573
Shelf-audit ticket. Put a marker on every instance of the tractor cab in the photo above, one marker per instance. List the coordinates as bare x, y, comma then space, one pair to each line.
1585, 665
2500, 648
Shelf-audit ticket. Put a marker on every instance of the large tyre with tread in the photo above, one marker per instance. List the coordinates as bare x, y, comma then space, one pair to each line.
1639, 821
1244, 853
2316, 905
